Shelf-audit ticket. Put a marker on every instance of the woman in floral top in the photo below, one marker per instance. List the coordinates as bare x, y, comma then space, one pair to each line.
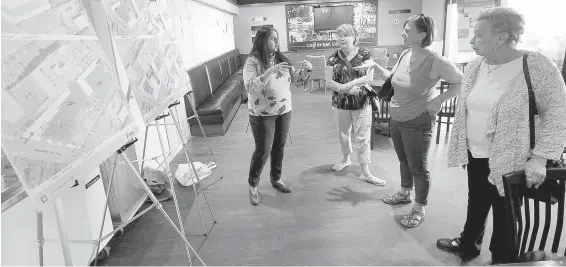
267, 79
350, 101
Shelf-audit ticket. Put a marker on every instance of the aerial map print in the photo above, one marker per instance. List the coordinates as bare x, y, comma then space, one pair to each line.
149, 46
63, 111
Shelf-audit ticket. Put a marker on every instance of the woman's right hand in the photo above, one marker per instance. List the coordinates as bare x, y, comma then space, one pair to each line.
281, 67
366, 66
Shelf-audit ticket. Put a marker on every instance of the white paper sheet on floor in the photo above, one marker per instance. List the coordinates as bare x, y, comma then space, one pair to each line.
186, 176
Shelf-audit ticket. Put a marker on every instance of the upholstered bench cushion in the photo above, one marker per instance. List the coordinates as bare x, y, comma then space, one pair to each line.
215, 109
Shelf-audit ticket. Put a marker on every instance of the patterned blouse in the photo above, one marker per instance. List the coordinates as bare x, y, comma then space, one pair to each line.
508, 124
342, 74
271, 97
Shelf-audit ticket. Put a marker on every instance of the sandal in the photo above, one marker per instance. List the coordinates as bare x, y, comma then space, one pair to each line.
413, 218
397, 198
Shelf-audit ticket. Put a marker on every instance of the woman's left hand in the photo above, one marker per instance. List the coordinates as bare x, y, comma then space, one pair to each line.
354, 90
306, 65
433, 107
535, 170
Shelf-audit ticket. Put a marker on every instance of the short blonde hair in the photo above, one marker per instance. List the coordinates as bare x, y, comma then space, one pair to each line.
348, 30
505, 20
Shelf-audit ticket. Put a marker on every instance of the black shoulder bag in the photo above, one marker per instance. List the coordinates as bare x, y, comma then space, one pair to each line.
549, 189
386, 92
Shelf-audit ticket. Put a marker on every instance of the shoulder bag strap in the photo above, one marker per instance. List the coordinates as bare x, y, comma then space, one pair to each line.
342, 56
398, 62
532, 103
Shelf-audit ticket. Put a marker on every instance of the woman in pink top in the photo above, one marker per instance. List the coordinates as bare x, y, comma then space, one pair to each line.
413, 109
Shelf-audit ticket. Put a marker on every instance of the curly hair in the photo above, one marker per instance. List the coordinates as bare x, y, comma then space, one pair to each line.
505, 20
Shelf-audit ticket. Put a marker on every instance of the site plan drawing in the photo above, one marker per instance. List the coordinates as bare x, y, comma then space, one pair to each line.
62, 108
149, 52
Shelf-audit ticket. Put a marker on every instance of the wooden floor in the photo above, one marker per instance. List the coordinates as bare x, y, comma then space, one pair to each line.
329, 219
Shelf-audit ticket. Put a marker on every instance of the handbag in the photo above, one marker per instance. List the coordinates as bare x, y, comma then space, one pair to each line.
386, 92
372, 96
549, 190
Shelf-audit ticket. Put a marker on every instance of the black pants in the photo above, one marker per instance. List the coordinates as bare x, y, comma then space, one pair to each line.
270, 135
482, 196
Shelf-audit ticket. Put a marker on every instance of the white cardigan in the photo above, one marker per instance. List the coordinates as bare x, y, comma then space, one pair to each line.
508, 125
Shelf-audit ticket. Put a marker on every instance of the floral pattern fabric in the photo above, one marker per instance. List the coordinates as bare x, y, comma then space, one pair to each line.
271, 97
342, 74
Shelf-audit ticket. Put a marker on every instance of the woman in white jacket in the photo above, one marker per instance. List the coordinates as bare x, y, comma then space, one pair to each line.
491, 132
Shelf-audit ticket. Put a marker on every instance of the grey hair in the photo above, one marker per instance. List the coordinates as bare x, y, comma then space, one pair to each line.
505, 20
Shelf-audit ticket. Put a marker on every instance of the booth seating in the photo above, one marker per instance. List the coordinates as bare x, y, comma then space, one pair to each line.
217, 88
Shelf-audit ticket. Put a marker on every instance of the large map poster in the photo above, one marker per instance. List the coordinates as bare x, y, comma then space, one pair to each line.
149, 39
301, 34
63, 110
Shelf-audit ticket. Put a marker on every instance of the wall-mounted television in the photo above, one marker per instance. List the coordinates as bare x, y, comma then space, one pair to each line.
330, 17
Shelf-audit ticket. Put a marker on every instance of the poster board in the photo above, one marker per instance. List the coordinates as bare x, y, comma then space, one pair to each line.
301, 34
468, 11
149, 37
63, 108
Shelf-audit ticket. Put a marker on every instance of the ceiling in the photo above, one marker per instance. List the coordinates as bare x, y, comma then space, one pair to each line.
250, 2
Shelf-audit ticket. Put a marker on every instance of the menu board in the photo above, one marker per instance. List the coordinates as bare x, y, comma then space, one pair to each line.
301, 33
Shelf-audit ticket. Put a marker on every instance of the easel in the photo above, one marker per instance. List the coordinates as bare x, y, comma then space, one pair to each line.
195, 115
67, 258
174, 115
155, 203
96, 243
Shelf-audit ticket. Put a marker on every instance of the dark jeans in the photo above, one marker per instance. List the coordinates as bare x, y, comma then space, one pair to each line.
411, 140
482, 196
270, 135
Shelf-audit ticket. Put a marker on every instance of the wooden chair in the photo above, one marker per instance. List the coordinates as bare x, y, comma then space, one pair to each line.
318, 72
519, 202
378, 117
447, 111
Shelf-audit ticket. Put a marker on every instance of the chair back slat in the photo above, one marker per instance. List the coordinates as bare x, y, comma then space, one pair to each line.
560, 218
448, 108
516, 206
520, 198
536, 223
547, 220
527, 224
318, 71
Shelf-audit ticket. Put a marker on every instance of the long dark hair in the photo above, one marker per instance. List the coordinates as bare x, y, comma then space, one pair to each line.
259, 49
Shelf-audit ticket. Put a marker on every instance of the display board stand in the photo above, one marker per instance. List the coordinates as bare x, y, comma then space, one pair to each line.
155, 203
174, 115
61, 230
96, 243
195, 115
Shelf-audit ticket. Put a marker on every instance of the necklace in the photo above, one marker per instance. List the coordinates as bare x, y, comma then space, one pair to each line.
489, 70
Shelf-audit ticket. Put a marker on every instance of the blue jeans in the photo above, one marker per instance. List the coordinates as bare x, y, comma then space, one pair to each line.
411, 140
